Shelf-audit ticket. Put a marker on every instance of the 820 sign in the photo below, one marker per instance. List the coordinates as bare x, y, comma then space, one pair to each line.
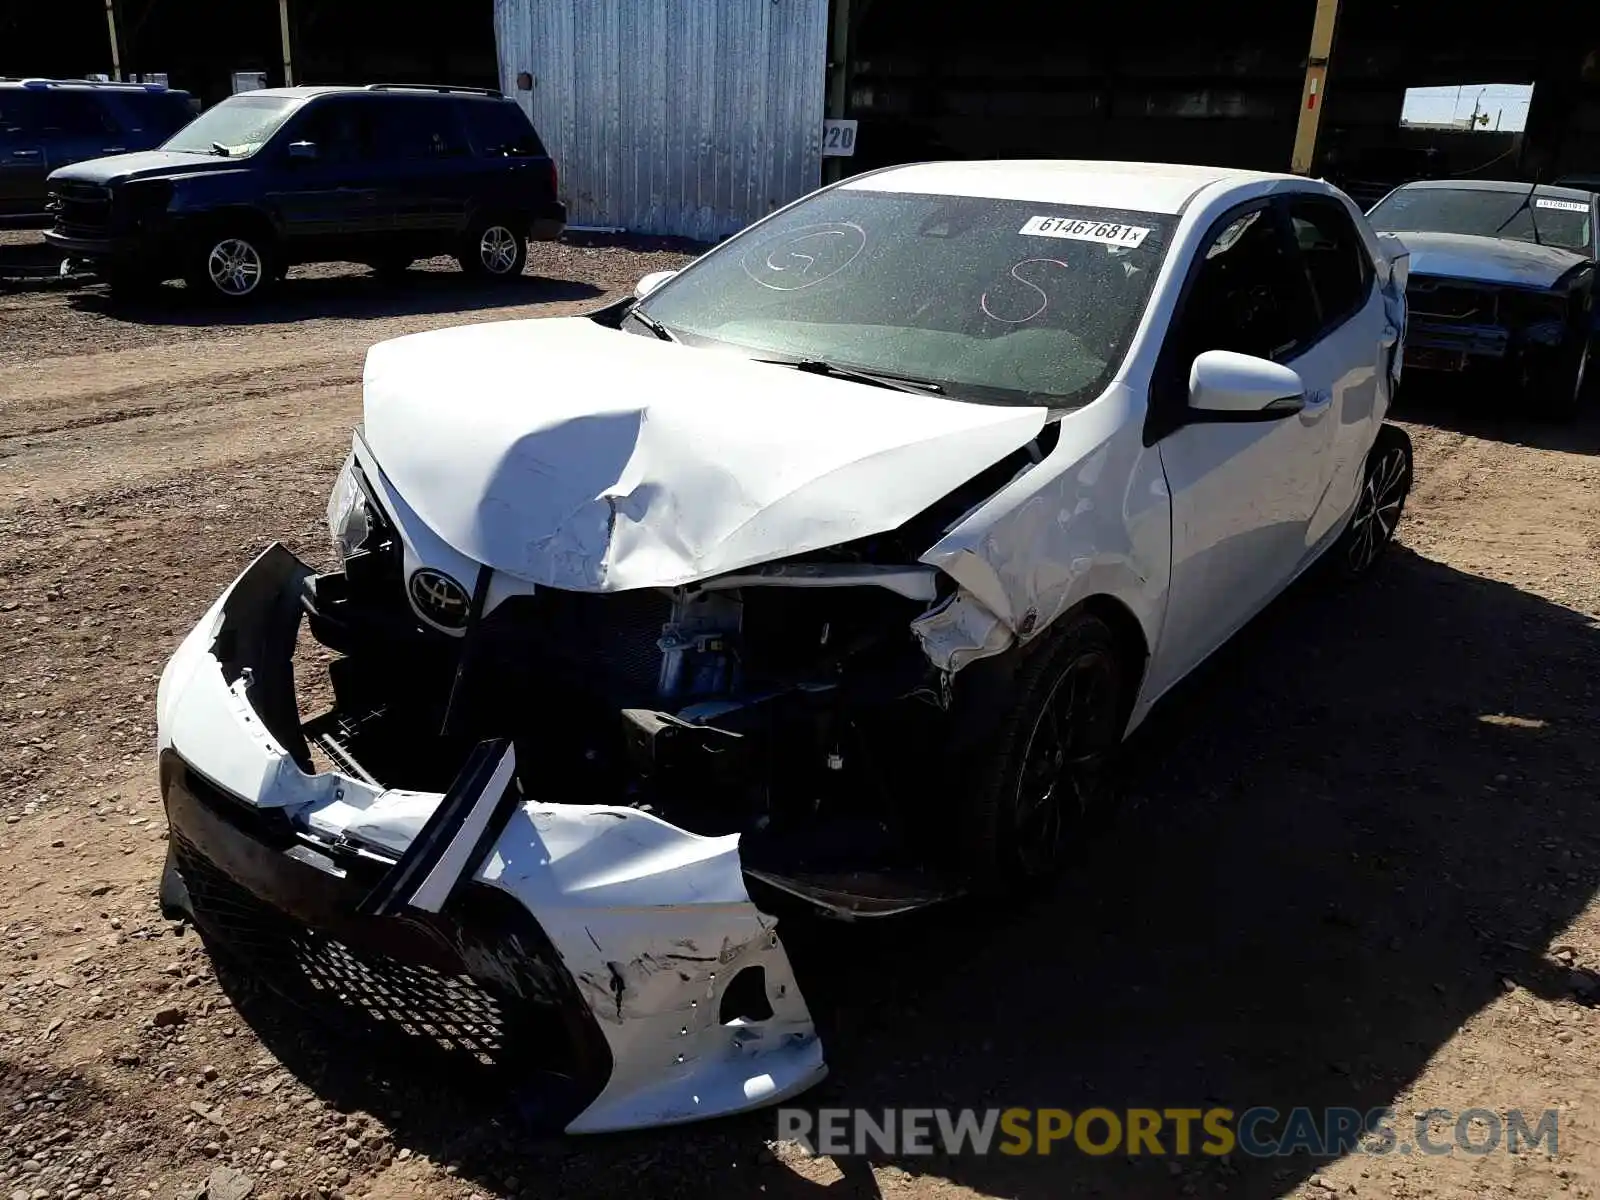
838, 139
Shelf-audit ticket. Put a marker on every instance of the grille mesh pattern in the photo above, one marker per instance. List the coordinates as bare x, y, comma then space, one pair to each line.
370, 991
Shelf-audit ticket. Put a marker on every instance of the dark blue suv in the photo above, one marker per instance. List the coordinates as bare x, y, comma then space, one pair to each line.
381, 175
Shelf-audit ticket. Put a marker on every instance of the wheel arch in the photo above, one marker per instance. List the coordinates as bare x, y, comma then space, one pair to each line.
1133, 648
244, 218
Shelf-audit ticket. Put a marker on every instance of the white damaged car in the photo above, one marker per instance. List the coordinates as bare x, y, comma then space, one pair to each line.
827, 573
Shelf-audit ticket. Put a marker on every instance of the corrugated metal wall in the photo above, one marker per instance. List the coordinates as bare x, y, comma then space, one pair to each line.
687, 117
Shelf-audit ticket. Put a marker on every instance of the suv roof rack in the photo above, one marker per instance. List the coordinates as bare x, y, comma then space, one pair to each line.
101, 83
435, 87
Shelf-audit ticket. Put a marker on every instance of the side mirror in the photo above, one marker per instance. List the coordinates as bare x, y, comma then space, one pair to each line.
304, 151
1241, 387
650, 283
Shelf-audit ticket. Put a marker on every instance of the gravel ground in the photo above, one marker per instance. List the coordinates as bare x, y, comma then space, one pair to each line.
1357, 866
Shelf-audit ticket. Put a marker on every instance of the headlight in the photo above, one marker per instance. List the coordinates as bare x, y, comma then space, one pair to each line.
146, 199
349, 512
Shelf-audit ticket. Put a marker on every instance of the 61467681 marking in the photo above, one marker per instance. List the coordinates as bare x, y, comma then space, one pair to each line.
1107, 233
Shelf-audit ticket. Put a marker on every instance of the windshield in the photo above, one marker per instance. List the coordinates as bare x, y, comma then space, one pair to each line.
1556, 220
1002, 301
239, 125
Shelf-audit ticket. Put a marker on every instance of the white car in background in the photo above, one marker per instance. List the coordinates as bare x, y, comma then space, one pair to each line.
827, 573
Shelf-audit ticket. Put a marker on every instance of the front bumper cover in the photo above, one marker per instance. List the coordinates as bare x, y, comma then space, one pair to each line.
583, 917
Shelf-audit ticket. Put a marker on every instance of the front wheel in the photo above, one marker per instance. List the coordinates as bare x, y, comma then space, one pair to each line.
1046, 761
233, 266
1561, 390
495, 248
1385, 484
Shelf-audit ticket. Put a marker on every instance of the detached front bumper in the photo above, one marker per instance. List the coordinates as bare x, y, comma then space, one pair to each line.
595, 944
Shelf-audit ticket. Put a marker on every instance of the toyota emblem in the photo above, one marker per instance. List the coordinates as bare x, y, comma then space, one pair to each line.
439, 598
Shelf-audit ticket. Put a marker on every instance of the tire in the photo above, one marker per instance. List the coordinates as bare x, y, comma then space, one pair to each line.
1385, 484
1041, 762
1559, 392
233, 266
494, 248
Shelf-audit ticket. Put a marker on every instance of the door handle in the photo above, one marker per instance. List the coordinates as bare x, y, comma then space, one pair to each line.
25, 154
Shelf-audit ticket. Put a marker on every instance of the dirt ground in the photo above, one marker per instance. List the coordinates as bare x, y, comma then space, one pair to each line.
1357, 866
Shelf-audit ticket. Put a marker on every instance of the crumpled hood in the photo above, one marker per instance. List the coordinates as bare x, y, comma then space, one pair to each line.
1487, 259
578, 457
143, 164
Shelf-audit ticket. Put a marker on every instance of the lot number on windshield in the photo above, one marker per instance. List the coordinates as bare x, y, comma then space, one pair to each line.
1107, 233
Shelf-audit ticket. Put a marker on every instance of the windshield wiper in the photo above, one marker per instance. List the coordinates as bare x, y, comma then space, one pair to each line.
884, 379
1527, 203
650, 323
220, 150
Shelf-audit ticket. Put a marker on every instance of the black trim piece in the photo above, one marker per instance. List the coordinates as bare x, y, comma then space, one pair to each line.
469, 643
393, 893
510, 800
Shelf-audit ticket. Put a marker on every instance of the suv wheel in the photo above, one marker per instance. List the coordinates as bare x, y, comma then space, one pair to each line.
494, 249
233, 266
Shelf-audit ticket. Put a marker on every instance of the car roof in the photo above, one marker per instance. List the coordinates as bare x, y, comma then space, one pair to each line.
91, 85
1141, 186
311, 91
1496, 185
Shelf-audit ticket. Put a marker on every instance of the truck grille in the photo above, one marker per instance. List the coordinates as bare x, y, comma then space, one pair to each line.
1450, 301
82, 209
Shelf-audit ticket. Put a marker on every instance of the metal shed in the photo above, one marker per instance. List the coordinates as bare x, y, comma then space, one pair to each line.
685, 117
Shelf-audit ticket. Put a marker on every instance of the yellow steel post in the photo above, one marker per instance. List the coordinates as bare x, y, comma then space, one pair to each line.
1315, 95
116, 50
283, 31
838, 77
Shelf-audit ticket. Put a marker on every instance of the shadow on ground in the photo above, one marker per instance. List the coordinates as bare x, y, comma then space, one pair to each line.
346, 296
1475, 406
1340, 837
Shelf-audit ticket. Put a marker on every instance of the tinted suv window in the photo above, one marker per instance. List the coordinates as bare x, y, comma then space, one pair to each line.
343, 131
1335, 259
500, 127
17, 113
75, 113
419, 129
1247, 296
158, 113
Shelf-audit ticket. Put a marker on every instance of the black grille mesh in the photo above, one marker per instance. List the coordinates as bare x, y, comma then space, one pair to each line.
365, 991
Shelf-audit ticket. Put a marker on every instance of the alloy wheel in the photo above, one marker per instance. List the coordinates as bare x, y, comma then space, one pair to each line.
497, 249
1064, 761
1378, 512
234, 267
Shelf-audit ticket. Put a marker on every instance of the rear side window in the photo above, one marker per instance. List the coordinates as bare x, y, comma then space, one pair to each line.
419, 129
75, 113
501, 128
158, 113
17, 113
1335, 260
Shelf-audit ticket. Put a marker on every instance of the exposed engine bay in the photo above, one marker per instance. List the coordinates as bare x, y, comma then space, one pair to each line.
789, 702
